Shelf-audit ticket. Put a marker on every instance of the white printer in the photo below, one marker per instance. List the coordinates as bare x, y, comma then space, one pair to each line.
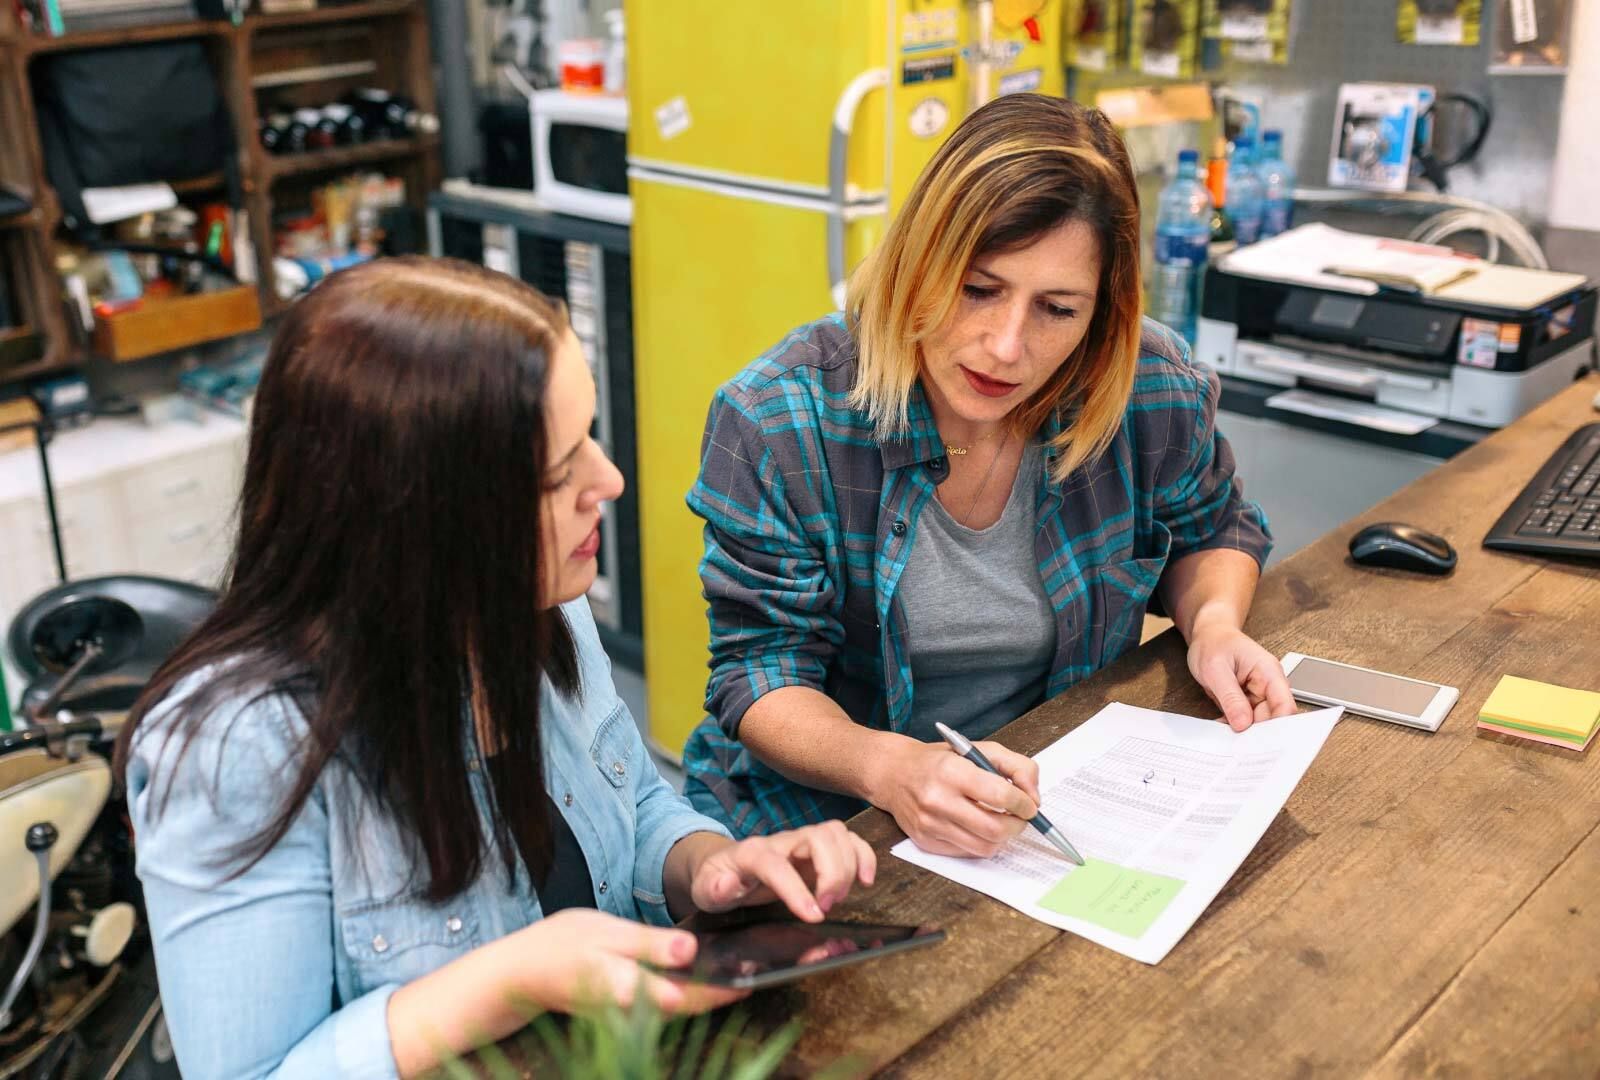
1391, 335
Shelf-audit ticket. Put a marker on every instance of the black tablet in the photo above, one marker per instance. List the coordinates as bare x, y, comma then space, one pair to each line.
759, 955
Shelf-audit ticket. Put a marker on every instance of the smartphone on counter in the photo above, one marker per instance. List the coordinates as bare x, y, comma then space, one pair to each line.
759, 955
1365, 692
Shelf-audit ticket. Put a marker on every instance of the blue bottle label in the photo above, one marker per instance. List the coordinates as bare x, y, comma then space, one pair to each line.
1187, 249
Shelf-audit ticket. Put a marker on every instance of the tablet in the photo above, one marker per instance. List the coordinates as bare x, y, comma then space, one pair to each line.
759, 955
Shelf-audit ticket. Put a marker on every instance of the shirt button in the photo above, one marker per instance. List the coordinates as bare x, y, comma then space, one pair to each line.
453, 924
472, 764
603, 887
380, 944
898, 528
617, 767
567, 798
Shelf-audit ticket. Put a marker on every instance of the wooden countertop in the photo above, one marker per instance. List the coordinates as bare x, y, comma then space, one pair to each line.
1424, 904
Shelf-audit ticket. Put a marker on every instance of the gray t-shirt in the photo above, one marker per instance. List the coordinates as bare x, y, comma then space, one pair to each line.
982, 632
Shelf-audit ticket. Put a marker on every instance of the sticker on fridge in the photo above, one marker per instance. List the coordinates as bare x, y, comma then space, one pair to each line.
672, 119
929, 31
1022, 82
925, 69
928, 117
1439, 22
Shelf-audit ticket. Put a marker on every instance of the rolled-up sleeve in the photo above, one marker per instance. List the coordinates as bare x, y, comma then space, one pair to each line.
770, 592
663, 818
1199, 497
245, 963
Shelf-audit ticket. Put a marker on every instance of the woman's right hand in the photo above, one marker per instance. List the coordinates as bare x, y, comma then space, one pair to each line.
581, 957
948, 805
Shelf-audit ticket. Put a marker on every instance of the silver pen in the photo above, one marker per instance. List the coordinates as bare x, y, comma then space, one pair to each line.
963, 746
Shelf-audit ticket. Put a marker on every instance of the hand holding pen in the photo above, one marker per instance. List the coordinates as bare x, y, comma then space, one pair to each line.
963, 746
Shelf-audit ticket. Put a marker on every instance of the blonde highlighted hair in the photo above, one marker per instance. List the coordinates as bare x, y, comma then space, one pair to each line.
1015, 169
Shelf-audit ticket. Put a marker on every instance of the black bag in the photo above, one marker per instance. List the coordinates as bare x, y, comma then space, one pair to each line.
128, 115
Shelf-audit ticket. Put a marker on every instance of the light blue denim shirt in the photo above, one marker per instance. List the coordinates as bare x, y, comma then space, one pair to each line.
287, 970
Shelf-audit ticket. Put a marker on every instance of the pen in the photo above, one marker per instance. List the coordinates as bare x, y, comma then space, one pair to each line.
963, 746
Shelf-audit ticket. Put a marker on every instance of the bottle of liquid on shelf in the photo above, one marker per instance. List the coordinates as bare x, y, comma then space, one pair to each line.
1246, 195
390, 116
1277, 180
1222, 238
1183, 233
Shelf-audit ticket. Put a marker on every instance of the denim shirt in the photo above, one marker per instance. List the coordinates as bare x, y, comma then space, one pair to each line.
287, 970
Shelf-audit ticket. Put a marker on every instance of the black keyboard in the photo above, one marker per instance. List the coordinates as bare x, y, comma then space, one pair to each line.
1558, 513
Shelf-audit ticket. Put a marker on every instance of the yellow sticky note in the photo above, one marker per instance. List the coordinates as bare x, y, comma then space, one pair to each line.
1540, 707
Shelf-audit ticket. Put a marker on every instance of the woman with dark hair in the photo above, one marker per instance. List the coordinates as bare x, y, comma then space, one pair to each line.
386, 797
957, 497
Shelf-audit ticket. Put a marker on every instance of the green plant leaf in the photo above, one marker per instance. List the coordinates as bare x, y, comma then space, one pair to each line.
687, 1063
769, 1055
722, 1046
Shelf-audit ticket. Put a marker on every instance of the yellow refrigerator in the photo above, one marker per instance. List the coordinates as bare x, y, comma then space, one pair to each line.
768, 143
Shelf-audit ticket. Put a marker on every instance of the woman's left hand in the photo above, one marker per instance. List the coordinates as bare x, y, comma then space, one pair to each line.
810, 869
1245, 680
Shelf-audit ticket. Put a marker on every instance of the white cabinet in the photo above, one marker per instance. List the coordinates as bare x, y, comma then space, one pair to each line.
1310, 482
129, 498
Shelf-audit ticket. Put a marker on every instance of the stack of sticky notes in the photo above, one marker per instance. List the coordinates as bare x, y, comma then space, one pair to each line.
1525, 709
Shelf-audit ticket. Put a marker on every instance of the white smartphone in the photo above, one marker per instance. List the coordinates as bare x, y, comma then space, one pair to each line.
1365, 692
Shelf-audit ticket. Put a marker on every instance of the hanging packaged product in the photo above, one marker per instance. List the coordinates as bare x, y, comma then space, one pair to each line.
1248, 31
1094, 34
1375, 132
1439, 22
1166, 38
1531, 36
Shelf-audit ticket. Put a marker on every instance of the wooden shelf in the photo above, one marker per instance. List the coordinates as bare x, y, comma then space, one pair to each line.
200, 184
36, 43
133, 35
370, 9
348, 157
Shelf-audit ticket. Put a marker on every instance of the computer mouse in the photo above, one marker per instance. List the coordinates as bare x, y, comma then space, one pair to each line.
1403, 547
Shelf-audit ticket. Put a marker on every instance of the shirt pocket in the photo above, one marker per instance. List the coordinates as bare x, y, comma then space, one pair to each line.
615, 748
1121, 592
396, 941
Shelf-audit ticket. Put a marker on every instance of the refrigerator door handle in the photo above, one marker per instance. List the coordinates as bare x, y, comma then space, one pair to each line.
844, 119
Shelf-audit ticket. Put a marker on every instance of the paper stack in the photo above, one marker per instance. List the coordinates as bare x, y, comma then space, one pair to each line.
1525, 709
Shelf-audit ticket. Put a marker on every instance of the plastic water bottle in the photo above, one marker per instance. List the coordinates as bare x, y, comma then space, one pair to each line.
1183, 231
1277, 178
1246, 194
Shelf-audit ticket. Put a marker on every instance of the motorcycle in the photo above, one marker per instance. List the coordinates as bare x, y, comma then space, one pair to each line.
72, 938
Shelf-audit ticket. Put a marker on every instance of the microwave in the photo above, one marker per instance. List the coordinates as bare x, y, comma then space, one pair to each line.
580, 154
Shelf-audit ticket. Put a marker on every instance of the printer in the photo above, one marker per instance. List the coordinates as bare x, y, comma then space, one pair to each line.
1391, 335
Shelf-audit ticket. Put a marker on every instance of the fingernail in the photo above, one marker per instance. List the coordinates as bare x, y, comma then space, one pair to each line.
683, 947
825, 902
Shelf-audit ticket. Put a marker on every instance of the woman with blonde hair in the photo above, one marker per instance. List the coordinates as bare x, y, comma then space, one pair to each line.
958, 498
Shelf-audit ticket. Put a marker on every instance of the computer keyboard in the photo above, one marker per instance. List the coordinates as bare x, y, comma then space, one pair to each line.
1558, 513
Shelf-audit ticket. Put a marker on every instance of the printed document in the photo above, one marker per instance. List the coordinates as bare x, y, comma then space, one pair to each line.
1162, 807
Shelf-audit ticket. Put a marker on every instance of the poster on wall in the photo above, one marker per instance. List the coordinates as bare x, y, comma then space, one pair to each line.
1439, 22
1249, 31
1094, 34
1166, 38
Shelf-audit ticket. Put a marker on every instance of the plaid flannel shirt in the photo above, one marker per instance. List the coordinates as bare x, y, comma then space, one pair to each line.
810, 519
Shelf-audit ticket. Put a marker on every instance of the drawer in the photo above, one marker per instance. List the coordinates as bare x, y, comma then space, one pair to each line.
191, 547
90, 517
207, 482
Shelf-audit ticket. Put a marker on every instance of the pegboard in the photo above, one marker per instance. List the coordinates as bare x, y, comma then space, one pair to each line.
1339, 41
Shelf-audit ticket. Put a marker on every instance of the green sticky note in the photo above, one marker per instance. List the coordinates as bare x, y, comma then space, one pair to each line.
1115, 897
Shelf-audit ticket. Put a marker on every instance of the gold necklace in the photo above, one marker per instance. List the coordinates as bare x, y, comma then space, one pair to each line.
963, 451
973, 505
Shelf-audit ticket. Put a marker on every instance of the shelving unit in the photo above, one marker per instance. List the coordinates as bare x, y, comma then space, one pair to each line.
388, 37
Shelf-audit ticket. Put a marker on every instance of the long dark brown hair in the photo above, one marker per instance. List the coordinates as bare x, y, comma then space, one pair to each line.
388, 560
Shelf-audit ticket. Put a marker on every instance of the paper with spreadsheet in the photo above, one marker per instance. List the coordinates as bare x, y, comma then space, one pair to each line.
1163, 809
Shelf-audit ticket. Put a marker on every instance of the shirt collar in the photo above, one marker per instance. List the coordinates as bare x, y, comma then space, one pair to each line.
920, 442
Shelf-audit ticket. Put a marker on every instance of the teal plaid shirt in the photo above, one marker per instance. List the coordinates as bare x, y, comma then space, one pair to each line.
810, 519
